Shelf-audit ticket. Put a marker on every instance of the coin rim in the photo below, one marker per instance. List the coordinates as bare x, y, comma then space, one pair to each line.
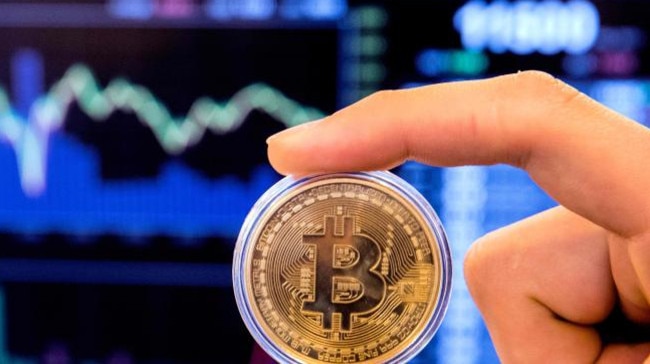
280, 192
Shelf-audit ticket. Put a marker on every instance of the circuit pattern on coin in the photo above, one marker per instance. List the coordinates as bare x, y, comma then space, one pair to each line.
343, 270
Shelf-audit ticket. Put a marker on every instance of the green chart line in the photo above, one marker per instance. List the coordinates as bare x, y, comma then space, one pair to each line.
29, 137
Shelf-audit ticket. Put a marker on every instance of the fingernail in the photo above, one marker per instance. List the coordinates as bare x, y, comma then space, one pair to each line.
291, 131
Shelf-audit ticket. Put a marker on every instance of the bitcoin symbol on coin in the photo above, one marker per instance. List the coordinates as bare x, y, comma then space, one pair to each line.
341, 270
344, 275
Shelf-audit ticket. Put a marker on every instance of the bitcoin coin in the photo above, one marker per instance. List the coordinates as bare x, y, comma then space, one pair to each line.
342, 268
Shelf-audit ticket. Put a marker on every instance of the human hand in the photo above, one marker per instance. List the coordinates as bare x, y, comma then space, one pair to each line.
545, 284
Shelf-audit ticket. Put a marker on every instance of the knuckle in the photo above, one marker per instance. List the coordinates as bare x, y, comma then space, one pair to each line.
492, 264
479, 263
544, 86
537, 77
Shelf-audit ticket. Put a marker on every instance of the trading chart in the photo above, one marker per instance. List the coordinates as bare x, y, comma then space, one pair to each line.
132, 146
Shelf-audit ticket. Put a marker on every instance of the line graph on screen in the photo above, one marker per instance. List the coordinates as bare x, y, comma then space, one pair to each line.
74, 199
29, 138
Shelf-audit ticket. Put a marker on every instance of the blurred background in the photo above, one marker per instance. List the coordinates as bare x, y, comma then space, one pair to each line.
132, 146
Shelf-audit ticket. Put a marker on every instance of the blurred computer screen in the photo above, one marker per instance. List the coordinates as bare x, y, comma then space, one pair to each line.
132, 146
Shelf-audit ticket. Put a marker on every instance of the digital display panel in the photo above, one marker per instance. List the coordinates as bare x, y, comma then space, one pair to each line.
132, 145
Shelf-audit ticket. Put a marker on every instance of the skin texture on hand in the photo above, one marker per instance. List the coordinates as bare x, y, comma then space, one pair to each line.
543, 283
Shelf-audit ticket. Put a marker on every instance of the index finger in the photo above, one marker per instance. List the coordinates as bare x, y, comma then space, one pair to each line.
584, 155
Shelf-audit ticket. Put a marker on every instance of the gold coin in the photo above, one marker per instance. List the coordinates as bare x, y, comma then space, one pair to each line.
342, 268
